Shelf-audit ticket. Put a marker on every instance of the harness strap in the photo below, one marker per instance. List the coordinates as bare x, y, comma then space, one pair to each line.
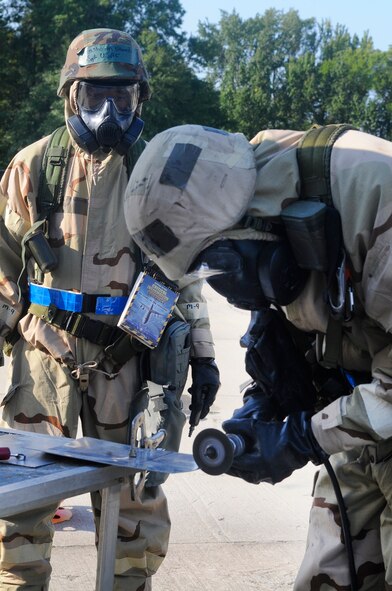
314, 163
314, 160
55, 164
76, 324
118, 346
53, 172
329, 346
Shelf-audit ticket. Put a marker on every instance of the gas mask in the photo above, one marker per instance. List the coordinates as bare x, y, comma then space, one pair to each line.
251, 274
106, 118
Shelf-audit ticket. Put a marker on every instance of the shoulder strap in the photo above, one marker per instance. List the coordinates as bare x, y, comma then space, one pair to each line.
53, 172
314, 160
54, 168
314, 163
133, 154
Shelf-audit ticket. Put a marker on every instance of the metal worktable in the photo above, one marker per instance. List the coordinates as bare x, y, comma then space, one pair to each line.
25, 488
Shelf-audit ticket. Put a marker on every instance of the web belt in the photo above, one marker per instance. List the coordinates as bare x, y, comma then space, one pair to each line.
78, 325
118, 346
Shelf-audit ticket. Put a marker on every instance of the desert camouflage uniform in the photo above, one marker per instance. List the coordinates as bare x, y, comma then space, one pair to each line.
356, 429
96, 255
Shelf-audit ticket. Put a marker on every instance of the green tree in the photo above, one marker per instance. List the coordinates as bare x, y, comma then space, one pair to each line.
34, 38
272, 70
247, 61
345, 76
39, 33
10, 72
179, 96
278, 70
378, 117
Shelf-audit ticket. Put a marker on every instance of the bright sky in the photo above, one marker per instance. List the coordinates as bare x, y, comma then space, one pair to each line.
357, 15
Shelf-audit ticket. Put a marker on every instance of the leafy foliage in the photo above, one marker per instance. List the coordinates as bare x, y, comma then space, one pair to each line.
178, 96
278, 70
34, 36
272, 70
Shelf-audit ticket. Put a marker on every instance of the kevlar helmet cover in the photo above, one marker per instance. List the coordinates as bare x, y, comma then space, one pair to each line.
190, 184
104, 54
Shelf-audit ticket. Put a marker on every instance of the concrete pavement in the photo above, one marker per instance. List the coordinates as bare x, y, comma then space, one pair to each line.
227, 535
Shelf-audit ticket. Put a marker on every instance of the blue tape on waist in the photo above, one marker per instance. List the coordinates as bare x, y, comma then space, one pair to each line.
73, 301
110, 305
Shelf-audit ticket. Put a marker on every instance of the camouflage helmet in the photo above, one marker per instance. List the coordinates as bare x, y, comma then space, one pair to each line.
105, 54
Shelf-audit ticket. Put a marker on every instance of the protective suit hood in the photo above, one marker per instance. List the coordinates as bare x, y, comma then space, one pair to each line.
190, 185
278, 182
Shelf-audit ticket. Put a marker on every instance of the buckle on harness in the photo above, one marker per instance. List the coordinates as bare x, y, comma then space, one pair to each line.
50, 314
74, 324
57, 156
106, 334
262, 225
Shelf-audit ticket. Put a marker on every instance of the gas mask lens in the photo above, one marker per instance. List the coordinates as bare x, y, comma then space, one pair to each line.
91, 97
230, 267
202, 271
215, 260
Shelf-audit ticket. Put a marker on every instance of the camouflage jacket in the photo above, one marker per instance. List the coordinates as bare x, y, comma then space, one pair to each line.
361, 181
91, 241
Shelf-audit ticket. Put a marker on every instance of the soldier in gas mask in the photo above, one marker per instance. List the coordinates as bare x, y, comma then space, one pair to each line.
306, 246
67, 266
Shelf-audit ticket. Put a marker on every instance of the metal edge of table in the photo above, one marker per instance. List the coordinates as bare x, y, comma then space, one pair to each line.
23, 496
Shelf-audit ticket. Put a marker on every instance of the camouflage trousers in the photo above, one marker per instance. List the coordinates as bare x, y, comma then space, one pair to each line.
365, 478
43, 397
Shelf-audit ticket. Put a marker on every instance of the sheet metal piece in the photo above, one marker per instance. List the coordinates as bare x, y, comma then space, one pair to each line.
116, 454
34, 459
20, 445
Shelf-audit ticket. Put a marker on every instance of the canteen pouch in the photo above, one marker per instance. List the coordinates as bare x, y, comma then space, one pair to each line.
305, 225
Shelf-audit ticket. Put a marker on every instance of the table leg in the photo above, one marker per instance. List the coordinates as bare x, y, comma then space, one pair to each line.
108, 537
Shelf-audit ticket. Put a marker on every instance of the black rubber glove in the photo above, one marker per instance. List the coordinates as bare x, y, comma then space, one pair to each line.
247, 338
205, 385
274, 449
256, 405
